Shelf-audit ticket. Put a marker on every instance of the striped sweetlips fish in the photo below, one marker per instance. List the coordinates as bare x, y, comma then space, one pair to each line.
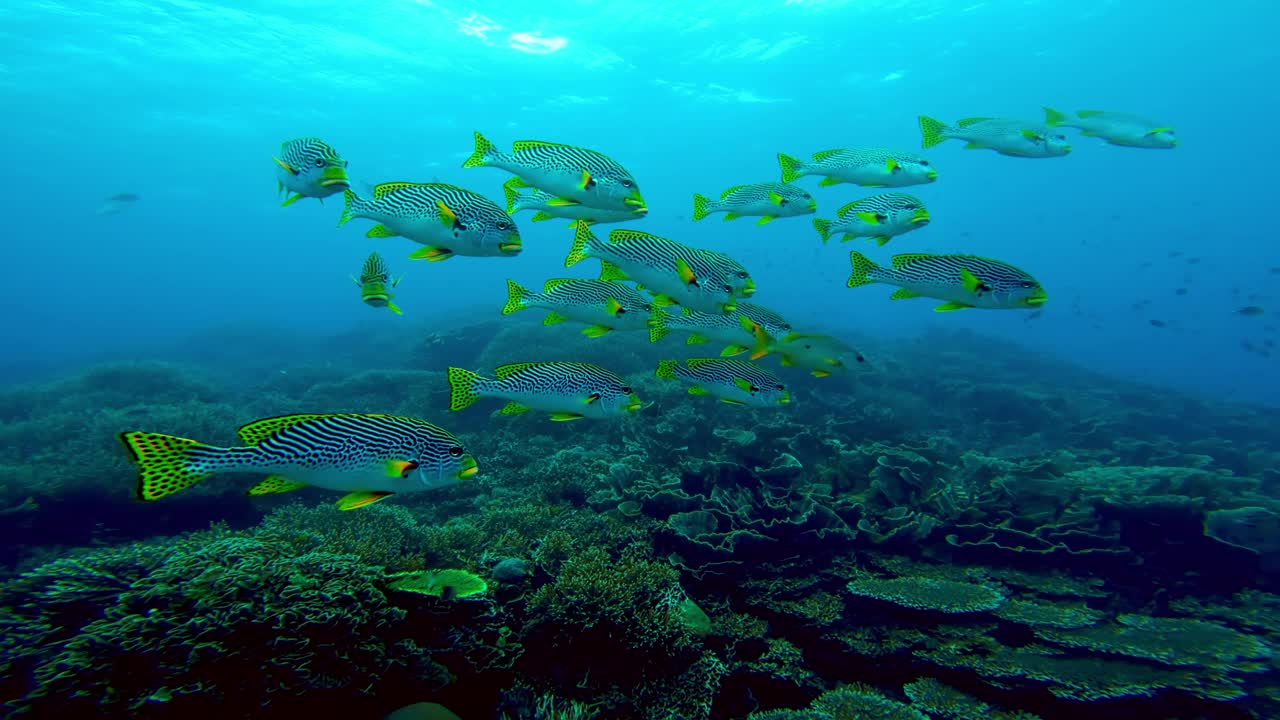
309, 167
546, 206
567, 390
736, 382
575, 175
675, 273
880, 217
768, 201
1016, 138
1116, 128
963, 281
368, 456
737, 329
602, 304
868, 167
376, 282
447, 219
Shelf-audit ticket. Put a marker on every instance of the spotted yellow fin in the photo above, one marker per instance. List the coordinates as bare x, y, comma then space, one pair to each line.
380, 231
274, 485
513, 408
259, 430
165, 463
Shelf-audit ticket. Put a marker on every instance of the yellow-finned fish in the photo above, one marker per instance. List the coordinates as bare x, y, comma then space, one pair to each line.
310, 167
368, 456
963, 281
602, 304
1015, 138
768, 201
868, 167
821, 355
447, 219
1116, 128
375, 284
567, 390
546, 206
736, 382
880, 217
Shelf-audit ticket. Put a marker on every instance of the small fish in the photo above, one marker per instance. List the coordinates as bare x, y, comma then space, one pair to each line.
369, 456
963, 281
678, 274
601, 304
1158, 323
821, 355
117, 202
868, 167
736, 382
880, 217
310, 167
1034, 315
573, 174
567, 390
768, 201
546, 207
1251, 311
1181, 291
447, 219
375, 282
1116, 128
1015, 138
737, 329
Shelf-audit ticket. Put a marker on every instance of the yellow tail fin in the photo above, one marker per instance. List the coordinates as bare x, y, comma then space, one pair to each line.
164, 463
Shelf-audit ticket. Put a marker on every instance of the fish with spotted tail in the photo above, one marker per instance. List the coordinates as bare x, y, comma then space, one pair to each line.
1116, 128
447, 219
601, 304
546, 206
768, 201
575, 175
1015, 138
880, 217
735, 382
309, 168
962, 281
868, 167
738, 329
369, 456
566, 390
375, 284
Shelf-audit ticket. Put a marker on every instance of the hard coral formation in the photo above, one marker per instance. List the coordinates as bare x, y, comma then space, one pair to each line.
923, 593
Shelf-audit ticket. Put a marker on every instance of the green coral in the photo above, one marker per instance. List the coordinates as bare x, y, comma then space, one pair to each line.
1046, 614
386, 535
850, 702
921, 593
1172, 641
943, 701
439, 583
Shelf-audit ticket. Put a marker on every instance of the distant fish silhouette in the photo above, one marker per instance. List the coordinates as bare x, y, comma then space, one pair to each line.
1251, 311
1158, 323
117, 202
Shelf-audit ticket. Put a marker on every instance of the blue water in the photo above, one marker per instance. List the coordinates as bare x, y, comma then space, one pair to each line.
184, 103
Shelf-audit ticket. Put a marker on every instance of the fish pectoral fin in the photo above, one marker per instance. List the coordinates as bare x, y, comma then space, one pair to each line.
448, 218
565, 417
698, 390
513, 408
273, 485
595, 331
820, 373
400, 468
903, 294
593, 397
775, 198
686, 272
663, 301
787, 361
613, 307
1032, 135
951, 307
379, 231
733, 350
744, 385
361, 498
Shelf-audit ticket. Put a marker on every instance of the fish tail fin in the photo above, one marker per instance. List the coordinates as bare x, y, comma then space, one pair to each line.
462, 388
823, 227
512, 195
484, 152
792, 168
583, 239
667, 370
862, 269
166, 463
350, 203
701, 205
932, 131
517, 298
1053, 118
658, 324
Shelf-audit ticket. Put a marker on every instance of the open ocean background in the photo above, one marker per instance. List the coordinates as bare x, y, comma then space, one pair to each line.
183, 103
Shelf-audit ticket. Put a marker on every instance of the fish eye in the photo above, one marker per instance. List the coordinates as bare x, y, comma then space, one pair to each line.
924, 163
1027, 284
647, 308
786, 326
346, 163
627, 183
319, 162
728, 288
455, 451
742, 275
779, 387
861, 359
504, 226
626, 389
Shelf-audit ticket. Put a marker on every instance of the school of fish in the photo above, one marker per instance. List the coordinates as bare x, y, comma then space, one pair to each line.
674, 287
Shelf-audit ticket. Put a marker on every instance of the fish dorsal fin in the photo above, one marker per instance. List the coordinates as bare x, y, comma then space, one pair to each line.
1089, 113
694, 363
554, 283
901, 261
966, 122
796, 337
724, 195
848, 207
505, 371
1157, 131
520, 145
259, 430
618, 236
381, 189
824, 154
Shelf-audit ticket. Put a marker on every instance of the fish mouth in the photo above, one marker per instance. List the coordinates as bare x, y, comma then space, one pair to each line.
786, 398
634, 404
932, 175
813, 206
511, 248
635, 201
920, 218
469, 467
1038, 299
334, 175
749, 289
640, 211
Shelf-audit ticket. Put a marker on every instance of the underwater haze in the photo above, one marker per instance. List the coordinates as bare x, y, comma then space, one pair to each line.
305, 413
184, 103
